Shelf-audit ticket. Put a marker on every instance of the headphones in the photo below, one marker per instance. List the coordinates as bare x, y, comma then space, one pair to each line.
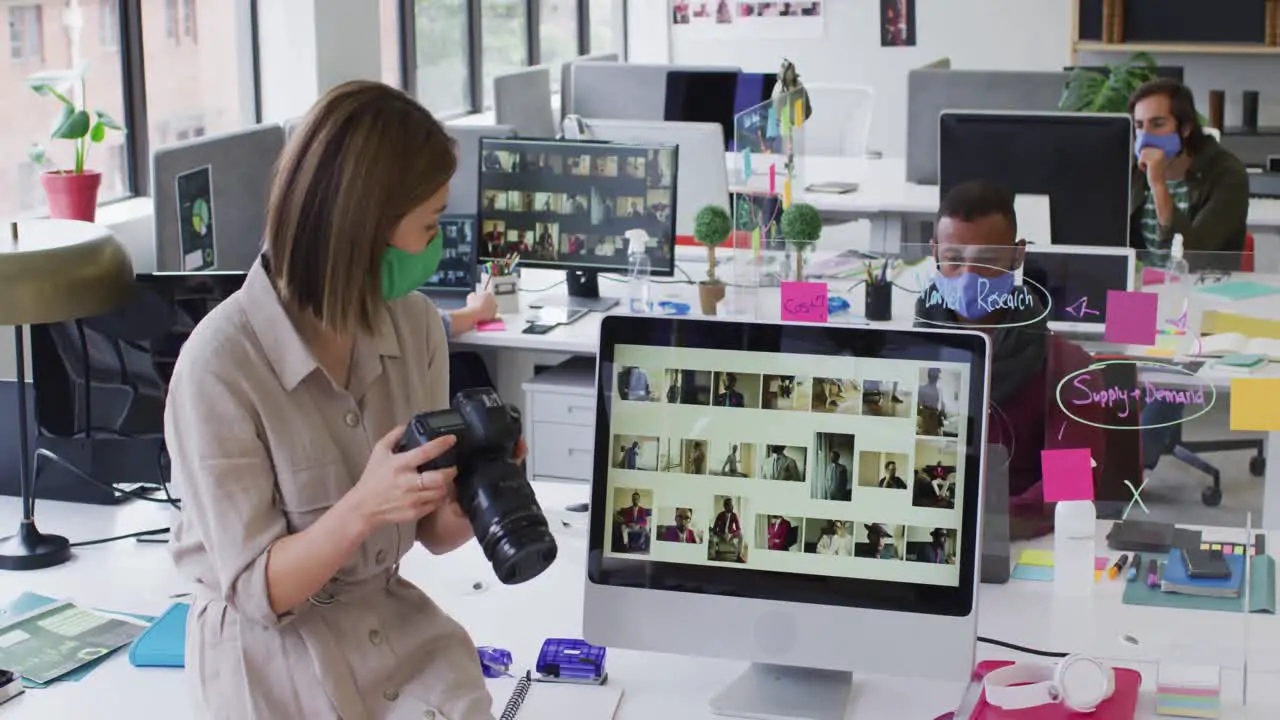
1079, 683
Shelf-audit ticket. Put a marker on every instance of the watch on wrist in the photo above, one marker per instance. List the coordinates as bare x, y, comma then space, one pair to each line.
1079, 683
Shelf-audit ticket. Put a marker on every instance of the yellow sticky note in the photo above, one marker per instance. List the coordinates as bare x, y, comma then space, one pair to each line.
1036, 558
1255, 404
786, 193
1215, 546
1097, 575
755, 240
799, 112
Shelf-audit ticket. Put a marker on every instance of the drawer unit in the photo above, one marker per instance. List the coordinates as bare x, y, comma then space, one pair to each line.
559, 425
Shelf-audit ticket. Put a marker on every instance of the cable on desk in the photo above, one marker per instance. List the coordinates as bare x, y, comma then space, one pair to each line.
1021, 648
116, 538
535, 291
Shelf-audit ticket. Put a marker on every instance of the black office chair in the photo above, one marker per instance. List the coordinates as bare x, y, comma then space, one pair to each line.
1189, 453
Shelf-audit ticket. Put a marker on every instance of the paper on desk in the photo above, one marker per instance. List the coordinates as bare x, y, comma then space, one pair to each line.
495, 325
29, 638
1255, 404
558, 701
28, 601
1131, 318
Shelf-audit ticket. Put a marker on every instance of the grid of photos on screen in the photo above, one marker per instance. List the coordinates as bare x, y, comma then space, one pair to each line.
572, 203
834, 465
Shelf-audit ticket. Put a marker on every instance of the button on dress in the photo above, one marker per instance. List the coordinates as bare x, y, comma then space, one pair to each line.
262, 443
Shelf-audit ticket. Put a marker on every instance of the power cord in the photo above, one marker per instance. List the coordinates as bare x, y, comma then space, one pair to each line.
1021, 648
168, 497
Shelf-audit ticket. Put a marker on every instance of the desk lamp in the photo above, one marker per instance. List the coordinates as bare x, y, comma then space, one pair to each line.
51, 271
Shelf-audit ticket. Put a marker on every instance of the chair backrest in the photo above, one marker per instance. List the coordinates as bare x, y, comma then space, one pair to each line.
841, 120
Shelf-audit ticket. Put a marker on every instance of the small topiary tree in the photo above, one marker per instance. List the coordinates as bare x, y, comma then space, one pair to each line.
801, 228
712, 227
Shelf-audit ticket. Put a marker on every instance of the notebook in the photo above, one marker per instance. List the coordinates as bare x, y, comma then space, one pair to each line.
1122, 704
1238, 344
1240, 290
1238, 364
1176, 580
164, 643
533, 700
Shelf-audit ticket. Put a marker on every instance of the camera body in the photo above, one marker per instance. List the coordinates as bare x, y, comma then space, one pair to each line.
492, 489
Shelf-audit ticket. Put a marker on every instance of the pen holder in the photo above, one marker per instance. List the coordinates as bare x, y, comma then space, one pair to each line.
879, 301
506, 291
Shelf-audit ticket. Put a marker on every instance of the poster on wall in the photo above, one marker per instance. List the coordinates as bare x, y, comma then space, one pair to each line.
709, 19
897, 23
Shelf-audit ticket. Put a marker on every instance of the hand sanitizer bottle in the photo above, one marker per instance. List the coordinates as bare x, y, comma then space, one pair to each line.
1173, 296
1074, 525
638, 271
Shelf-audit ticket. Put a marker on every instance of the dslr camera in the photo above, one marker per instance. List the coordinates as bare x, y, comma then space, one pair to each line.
492, 488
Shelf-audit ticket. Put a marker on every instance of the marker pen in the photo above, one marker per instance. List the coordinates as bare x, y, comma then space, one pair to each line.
1134, 568
1153, 573
1118, 567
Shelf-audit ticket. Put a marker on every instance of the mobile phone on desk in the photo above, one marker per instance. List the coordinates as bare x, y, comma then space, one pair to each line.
534, 328
1206, 564
832, 188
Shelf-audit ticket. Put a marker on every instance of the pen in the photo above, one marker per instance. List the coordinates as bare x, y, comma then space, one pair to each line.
1118, 567
1153, 573
884, 270
1134, 568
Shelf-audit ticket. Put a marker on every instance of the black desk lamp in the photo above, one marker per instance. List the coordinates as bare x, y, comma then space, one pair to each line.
51, 271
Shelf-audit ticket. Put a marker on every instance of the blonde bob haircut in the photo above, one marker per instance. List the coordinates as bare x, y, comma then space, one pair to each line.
364, 157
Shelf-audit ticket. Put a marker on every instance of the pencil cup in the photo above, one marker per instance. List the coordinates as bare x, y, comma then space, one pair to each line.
506, 291
879, 301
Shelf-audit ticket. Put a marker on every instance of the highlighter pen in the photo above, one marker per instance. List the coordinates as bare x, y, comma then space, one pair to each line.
1118, 567
1153, 573
1134, 568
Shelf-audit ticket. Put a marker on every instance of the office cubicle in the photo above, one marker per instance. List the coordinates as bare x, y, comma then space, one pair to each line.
566, 77
210, 199
522, 99
625, 91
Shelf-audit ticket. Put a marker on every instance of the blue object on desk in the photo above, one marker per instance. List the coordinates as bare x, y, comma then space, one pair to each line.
836, 305
1036, 573
667, 307
495, 662
164, 643
30, 602
568, 660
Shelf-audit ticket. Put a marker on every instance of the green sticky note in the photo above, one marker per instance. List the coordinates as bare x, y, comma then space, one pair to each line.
1240, 290
755, 239
785, 120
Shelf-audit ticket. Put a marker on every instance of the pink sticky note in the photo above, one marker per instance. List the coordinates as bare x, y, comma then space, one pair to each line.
1131, 318
1101, 563
773, 179
804, 302
491, 326
1068, 475
1152, 276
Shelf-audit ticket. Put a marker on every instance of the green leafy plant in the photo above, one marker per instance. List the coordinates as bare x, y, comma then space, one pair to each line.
84, 128
1091, 91
801, 228
712, 227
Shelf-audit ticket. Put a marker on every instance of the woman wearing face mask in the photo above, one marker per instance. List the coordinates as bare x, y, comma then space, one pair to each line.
284, 411
977, 253
1184, 181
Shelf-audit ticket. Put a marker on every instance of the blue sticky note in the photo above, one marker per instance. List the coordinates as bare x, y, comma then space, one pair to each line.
1240, 290
746, 162
771, 125
1035, 573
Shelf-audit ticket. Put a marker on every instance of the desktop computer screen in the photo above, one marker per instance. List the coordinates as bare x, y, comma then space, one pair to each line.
1077, 280
715, 96
458, 256
1083, 162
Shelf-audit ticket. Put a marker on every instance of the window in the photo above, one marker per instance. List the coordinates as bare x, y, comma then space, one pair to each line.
26, 33
603, 26
442, 55
189, 20
557, 34
108, 24
505, 28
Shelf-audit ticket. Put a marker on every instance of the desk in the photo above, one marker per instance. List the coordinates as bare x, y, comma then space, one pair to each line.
140, 578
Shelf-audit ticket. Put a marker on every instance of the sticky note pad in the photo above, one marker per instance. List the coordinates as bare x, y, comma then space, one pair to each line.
491, 326
1036, 558
1037, 573
1068, 474
799, 113
773, 179
746, 162
1255, 404
1131, 317
804, 302
1239, 290
1100, 564
786, 193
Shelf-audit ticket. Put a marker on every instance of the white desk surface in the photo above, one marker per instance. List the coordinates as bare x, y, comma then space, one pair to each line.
129, 576
885, 190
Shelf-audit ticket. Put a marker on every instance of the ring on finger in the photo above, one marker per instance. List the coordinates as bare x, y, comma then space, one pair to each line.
422, 482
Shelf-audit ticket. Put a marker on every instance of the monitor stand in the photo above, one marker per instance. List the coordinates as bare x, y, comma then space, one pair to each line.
584, 294
779, 692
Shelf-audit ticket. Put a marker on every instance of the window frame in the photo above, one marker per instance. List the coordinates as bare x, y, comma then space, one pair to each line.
31, 15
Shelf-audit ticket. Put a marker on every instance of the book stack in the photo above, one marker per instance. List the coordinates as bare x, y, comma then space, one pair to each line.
1176, 580
1189, 692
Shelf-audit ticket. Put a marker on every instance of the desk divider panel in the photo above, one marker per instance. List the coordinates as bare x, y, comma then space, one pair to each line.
626, 91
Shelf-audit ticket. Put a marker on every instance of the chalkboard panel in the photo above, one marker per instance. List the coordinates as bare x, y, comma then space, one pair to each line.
1091, 20
1182, 21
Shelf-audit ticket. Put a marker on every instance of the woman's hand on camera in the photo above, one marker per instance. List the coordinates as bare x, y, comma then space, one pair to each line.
392, 491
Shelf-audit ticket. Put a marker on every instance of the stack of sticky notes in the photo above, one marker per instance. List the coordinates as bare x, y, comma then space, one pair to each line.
1037, 565
1188, 692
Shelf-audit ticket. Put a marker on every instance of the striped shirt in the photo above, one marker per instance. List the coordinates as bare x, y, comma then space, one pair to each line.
1150, 224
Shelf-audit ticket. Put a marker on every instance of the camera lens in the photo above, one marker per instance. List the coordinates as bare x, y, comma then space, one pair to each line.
508, 522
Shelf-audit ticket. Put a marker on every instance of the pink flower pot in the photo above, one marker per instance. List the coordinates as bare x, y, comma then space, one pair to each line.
72, 196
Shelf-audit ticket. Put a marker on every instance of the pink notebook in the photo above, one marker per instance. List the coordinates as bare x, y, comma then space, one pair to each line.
1120, 706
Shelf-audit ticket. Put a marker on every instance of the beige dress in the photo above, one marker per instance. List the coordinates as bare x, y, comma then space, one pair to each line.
263, 443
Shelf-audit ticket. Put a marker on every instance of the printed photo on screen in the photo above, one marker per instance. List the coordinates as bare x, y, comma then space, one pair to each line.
833, 455
784, 462
732, 459
779, 533
887, 470
936, 546
882, 541
835, 395
606, 166
630, 206
938, 403
736, 390
658, 168
519, 201
633, 167
787, 392
829, 537
635, 452
675, 525
579, 165
934, 482
544, 241
883, 398
725, 539
669, 454
576, 204
658, 205
638, 384
495, 200
632, 511
500, 161
494, 237
603, 207
548, 202
540, 163
693, 456
687, 387
572, 245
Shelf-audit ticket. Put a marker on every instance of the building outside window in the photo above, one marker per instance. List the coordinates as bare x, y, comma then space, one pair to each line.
26, 33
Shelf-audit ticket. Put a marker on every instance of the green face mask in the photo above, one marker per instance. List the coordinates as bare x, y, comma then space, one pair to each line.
403, 272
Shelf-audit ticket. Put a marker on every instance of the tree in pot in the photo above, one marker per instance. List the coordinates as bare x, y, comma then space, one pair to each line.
712, 228
801, 228
72, 193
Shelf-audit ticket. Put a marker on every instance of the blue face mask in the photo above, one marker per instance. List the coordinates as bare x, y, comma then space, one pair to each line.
967, 294
1170, 143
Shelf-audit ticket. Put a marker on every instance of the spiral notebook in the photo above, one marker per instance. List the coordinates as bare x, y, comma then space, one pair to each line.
527, 699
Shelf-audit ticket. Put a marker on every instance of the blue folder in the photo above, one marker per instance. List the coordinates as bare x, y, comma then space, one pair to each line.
164, 643
30, 602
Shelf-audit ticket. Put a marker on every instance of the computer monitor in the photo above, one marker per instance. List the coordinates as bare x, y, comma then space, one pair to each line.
705, 96
1082, 161
1077, 280
456, 276
566, 205
701, 169
760, 492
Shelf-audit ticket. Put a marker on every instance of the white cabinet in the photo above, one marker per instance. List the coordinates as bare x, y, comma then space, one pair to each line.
559, 423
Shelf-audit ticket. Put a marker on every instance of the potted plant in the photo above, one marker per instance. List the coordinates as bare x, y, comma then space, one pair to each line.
1092, 91
801, 228
72, 193
712, 228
